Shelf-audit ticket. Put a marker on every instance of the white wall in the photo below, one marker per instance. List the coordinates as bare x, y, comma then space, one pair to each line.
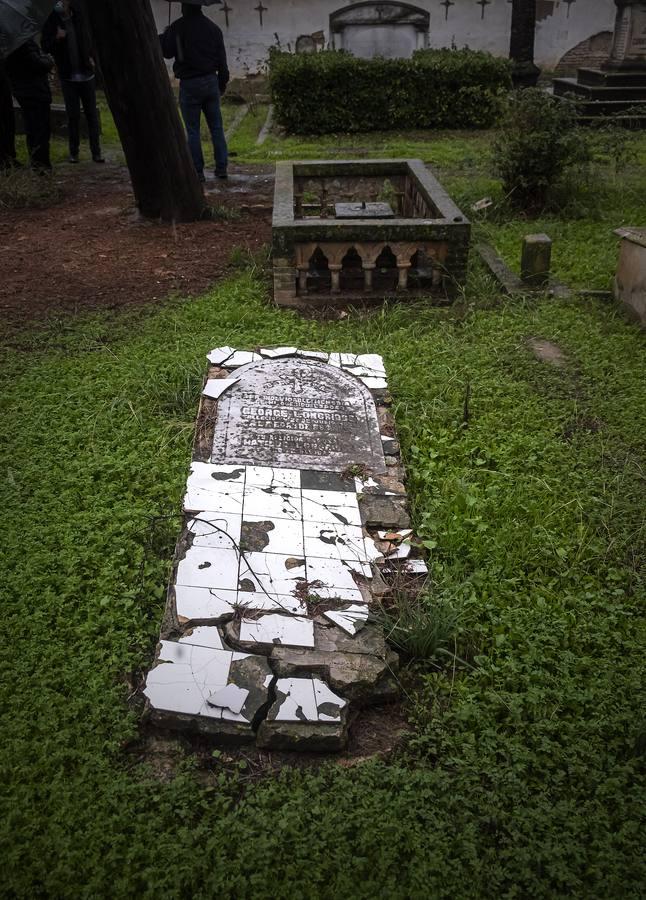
557, 32
465, 25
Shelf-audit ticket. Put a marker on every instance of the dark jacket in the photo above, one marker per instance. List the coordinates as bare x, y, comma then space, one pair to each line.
27, 69
197, 45
73, 53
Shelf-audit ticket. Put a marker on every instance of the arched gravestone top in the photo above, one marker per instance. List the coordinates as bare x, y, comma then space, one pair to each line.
297, 413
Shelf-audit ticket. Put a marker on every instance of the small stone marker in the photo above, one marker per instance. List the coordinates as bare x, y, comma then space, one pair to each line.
289, 516
536, 260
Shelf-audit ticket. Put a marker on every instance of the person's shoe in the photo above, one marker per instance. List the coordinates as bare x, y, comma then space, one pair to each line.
98, 159
74, 157
221, 175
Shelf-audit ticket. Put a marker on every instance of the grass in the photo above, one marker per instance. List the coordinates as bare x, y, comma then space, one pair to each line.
522, 774
523, 771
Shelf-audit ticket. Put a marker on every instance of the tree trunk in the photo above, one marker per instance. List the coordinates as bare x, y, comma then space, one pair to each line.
145, 112
521, 46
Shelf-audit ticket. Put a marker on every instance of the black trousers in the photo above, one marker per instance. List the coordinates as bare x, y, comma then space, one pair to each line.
76, 93
37, 130
7, 123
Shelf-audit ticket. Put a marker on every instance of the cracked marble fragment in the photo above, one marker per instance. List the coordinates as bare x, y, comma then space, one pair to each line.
214, 487
350, 618
273, 477
214, 387
277, 352
261, 534
374, 384
334, 573
271, 573
334, 541
185, 676
195, 604
230, 697
295, 701
258, 601
209, 568
331, 507
211, 529
287, 631
220, 355
272, 503
203, 636
313, 354
342, 595
328, 704
241, 358
371, 361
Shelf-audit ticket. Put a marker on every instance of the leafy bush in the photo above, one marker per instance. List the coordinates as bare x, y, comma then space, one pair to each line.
333, 91
538, 144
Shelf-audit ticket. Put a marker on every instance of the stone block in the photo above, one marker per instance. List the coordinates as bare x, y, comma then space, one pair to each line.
536, 260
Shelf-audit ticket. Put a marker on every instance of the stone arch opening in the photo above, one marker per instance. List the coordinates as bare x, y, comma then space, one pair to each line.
388, 29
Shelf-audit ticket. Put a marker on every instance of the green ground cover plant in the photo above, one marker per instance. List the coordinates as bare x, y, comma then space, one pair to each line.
522, 774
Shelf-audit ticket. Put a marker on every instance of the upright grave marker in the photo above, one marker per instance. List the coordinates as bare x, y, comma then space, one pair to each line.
295, 523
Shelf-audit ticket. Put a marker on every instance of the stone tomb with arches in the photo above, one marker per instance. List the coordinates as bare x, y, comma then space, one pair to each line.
365, 231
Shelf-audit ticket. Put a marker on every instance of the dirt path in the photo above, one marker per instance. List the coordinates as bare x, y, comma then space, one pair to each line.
92, 251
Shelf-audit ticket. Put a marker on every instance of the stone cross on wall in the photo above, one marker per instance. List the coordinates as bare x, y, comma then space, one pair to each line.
260, 9
446, 4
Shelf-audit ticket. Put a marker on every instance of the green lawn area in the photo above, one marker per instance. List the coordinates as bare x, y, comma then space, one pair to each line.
522, 773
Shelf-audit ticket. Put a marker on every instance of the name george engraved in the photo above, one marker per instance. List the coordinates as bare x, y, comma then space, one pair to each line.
297, 413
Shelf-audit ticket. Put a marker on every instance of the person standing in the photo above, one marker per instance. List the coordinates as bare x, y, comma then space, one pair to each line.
65, 37
197, 46
27, 69
7, 123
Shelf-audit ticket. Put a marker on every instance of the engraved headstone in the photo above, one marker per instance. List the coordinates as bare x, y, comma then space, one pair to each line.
297, 413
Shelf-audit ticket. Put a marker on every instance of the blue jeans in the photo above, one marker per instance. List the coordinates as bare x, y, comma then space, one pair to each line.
197, 96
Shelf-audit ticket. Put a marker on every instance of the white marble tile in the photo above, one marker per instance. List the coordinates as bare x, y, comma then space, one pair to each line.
215, 387
214, 487
212, 529
203, 636
401, 551
277, 352
209, 568
351, 618
220, 355
333, 573
299, 703
241, 358
196, 604
364, 372
286, 631
272, 504
328, 704
273, 477
373, 552
313, 354
334, 541
186, 676
374, 384
347, 594
371, 361
343, 359
284, 535
231, 698
254, 601
271, 573
331, 507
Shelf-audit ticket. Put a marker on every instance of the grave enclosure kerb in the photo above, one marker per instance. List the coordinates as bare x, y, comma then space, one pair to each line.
449, 226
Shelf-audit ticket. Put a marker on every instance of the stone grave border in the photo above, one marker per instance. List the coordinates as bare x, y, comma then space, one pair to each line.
347, 664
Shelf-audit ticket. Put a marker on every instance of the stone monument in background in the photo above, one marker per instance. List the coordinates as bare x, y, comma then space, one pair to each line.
618, 87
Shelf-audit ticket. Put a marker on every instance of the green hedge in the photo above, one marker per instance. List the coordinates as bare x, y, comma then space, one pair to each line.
332, 91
